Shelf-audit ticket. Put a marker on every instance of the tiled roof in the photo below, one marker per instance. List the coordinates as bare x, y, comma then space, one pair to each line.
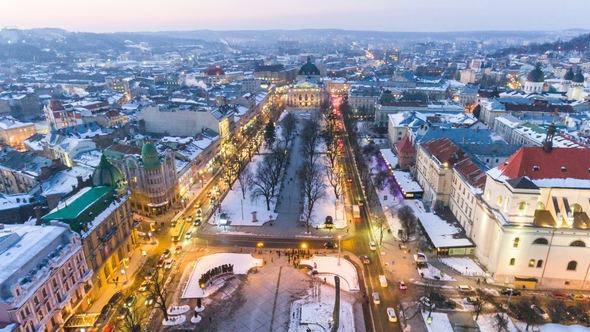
405, 145
444, 150
560, 163
474, 175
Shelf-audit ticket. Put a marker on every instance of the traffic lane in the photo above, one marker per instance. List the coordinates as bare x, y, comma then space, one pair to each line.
245, 241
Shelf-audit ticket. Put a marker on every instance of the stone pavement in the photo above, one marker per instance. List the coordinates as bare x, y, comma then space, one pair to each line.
261, 301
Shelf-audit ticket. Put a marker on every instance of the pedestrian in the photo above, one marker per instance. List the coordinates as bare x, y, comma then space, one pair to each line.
478, 281
347, 231
209, 319
271, 260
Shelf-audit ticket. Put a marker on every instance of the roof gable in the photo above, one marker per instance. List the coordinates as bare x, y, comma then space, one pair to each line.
405, 145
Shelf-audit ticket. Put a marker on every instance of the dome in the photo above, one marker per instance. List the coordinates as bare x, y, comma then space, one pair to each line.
309, 69
107, 174
536, 75
579, 77
150, 157
569, 75
214, 71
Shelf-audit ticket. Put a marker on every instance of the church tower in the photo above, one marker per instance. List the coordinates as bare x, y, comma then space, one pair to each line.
535, 80
566, 81
576, 89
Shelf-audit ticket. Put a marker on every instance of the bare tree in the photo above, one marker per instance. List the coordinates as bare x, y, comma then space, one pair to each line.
135, 320
482, 301
528, 314
262, 183
501, 321
331, 145
381, 179
371, 151
312, 186
158, 290
310, 138
289, 125
335, 181
270, 134
408, 220
244, 179
231, 165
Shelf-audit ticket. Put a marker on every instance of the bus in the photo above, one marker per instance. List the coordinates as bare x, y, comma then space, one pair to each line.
356, 212
176, 219
178, 231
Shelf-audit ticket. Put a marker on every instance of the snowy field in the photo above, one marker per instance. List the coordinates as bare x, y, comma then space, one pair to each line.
465, 266
329, 265
432, 271
440, 322
242, 263
314, 313
487, 322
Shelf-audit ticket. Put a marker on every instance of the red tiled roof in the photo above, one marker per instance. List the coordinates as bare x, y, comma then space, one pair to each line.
444, 150
405, 145
56, 105
536, 164
471, 173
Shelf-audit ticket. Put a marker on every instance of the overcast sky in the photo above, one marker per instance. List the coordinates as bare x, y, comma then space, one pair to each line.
378, 15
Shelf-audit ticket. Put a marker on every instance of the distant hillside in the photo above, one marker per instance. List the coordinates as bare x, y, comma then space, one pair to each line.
580, 43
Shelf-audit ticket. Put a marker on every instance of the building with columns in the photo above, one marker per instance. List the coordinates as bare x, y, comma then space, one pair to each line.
309, 91
531, 227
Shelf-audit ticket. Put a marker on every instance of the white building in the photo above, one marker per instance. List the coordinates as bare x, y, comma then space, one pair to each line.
531, 225
43, 276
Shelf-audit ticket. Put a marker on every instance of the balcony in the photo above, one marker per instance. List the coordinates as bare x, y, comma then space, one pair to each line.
87, 275
109, 235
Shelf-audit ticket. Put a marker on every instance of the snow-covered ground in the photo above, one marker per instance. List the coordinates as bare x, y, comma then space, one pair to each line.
242, 263
432, 271
440, 322
239, 210
464, 265
487, 323
328, 265
559, 328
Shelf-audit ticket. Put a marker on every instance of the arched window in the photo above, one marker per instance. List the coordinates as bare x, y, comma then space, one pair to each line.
521, 208
488, 194
571, 266
541, 240
512, 261
540, 263
515, 243
540, 206
531, 263
499, 201
576, 208
578, 243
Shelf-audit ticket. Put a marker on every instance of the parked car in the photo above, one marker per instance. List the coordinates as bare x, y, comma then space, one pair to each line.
372, 246
330, 245
402, 285
104, 314
109, 328
580, 297
144, 286
472, 299
149, 300
508, 291
560, 295
427, 303
150, 274
178, 249
130, 301
199, 213
168, 264
465, 289
123, 312
391, 315
161, 262
115, 298
376, 298
366, 260
540, 311
189, 219
166, 253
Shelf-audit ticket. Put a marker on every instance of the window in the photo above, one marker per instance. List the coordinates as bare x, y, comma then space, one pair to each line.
540, 263
578, 243
576, 208
515, 242
571, 266
499, 201
512, 261
488, 194
541, 240
521, 208
540, 206
532, 263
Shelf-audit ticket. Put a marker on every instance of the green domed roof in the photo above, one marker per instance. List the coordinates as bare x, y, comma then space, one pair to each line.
536, 75
309, 69
569, 75
579, 77
107, 174
150, 157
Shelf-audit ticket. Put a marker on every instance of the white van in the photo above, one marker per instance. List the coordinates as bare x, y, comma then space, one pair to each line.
188, 235
383, 281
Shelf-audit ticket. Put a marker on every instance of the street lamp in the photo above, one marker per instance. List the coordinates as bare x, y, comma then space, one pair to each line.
126, 277
339, 238
259, 245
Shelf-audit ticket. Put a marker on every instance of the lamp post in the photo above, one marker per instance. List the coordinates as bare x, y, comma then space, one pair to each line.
339, 238
126, 277
260, 245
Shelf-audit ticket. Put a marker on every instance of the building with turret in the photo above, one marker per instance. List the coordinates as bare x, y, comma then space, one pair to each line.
309, 91
535, 80
102, 216
575, 89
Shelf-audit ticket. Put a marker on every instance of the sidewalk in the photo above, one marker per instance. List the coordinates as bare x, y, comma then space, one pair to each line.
136, 261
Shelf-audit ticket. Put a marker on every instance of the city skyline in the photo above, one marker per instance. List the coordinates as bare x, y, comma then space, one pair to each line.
372, 15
